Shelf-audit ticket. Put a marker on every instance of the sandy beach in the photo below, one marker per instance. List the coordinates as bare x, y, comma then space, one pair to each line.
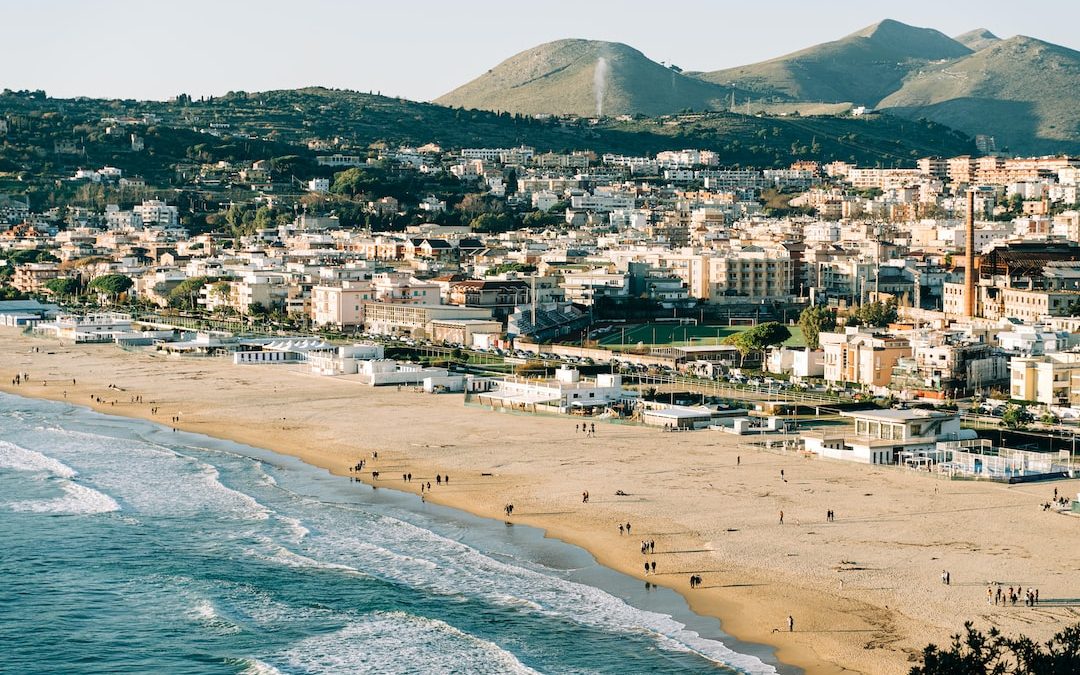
865, 591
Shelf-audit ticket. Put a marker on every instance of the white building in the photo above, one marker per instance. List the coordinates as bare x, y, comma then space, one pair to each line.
798, 363
156, 213
566, 392
884, 436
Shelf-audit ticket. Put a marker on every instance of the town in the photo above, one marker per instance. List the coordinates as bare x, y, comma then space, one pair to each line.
952, 285
605, 337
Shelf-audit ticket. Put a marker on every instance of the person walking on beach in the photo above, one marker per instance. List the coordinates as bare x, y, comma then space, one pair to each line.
646, 569
621, 528
791, 624
585, 497
628, 528
653, 565
782, 475
592, 429
781, 517
738, 460
438, 479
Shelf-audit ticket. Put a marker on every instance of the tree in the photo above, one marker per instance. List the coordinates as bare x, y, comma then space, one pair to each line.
1015, 416
12, 293
813, 321
758, 339
492, 222
62, 287
112, 285
876, 314
976, 653
186, 293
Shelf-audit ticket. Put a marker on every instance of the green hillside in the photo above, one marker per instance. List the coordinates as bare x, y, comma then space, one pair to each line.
1022, 91
586, 78
862, 68
243, 127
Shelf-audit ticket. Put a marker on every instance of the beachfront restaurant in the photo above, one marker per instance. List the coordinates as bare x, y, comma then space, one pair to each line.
886, 436
566, 393
89, 328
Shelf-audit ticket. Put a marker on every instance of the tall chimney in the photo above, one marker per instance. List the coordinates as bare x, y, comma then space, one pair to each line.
969, 257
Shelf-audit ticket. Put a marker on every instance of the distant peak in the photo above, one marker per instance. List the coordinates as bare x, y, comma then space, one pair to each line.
884, 26
977, 39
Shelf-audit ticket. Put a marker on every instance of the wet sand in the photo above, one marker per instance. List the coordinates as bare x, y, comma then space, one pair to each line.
865, 590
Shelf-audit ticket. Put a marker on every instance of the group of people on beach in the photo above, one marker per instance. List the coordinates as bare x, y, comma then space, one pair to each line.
695, 580
624, 529
1060, 502
1003, 597
588, 429
22, 378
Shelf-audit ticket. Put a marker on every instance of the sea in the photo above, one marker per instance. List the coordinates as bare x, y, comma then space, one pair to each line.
126, 547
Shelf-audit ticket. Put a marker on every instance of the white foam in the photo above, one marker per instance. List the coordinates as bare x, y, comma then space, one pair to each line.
204, 612
293, 559
295, 527
405, 553
77, 500
397, 642
19, 458
257, 667
155, 480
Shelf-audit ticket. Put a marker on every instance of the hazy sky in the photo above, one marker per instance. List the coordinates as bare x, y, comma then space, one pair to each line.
421, 49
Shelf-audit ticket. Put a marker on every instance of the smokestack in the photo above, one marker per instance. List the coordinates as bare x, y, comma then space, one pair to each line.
969, 257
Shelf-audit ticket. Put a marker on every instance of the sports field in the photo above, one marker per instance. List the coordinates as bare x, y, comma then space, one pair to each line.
674, 335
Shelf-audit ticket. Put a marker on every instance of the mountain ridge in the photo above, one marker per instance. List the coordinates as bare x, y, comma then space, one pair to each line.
586, 78
910, 71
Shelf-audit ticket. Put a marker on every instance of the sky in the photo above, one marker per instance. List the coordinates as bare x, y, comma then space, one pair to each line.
421, 49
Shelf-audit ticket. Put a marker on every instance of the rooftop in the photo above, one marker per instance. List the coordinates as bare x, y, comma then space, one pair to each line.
894, 415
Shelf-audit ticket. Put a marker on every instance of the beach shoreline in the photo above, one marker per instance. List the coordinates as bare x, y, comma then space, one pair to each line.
709, 513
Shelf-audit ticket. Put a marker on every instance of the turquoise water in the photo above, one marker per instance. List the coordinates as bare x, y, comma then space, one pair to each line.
128, 548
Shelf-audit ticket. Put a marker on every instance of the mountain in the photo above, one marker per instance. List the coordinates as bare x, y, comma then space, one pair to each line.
1021, 90
977, 39
862, 68
585, 78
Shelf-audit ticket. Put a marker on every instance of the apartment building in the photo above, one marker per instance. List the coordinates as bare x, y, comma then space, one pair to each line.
414, 320
1051, 379
755, 272
32, 277
341, 305
862, 357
